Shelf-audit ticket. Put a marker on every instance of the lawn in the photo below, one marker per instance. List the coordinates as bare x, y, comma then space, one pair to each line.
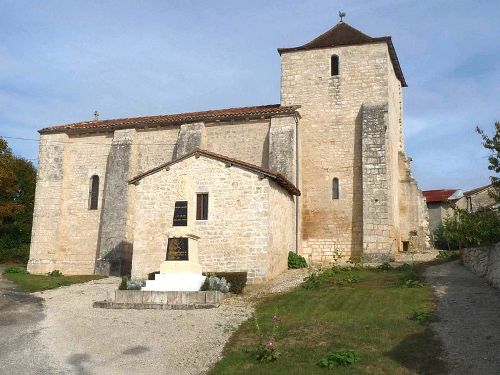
370, 316
35, 283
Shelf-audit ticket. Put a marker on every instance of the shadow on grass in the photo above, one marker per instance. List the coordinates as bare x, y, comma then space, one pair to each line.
420, 353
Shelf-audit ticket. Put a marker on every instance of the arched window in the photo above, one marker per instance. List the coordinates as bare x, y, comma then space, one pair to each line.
335, 65
94, 192
335, 188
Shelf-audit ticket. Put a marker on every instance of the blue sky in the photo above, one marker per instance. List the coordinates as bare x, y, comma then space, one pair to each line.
61, 60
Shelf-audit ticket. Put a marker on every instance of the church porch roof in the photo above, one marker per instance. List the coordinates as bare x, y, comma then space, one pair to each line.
275, 176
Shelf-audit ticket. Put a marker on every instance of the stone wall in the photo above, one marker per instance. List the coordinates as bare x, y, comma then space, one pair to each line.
484, 261
236, 235
65, 232
330, 139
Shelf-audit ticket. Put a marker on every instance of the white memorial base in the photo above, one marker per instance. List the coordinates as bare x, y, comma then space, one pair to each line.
177, 282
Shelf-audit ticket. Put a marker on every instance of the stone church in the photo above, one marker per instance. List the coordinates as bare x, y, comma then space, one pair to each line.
324, 173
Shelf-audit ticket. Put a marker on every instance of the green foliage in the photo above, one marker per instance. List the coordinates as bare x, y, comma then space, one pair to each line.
267, 350
17, 196
333, 276
477, 228
357, 262
443, 240
296, 261
340, 358
410, 279
420, 316
36, 283
492, 144
370, 317
123, 285
55, 273
386, 266
15, 270
449, 255
237, 280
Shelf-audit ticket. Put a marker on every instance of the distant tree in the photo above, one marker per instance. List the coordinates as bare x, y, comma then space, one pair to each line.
493, 146
17, 196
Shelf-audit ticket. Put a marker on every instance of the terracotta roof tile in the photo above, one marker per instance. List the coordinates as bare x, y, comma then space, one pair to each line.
180, 118
343, 34
432, 196
277, 177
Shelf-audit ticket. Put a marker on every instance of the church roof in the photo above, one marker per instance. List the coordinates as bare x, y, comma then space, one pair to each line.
264, 111
343, 34
275, 176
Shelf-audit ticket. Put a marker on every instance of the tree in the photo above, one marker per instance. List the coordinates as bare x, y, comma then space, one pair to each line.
493, 145
17, 196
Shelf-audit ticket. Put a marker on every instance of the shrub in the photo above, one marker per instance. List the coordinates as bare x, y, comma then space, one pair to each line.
340, 358
449, 255
409, 279
216, 283
123, 285
15, 270
419, 316
237, 280
386, 266
296, 261
54, 273
135, 284
14, 252
334, 276
267, 350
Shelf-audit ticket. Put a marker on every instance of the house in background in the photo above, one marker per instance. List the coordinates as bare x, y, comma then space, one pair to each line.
440, 203
479, 198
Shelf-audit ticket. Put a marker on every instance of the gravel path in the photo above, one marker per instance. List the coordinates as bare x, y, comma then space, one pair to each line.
59, 332
468, 319
21, 350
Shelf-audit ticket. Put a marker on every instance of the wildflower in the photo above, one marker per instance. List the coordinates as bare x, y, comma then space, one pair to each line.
270, 344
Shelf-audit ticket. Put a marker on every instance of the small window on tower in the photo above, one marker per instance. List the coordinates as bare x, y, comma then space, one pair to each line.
94, 192
335, 65
202, 206
335, 188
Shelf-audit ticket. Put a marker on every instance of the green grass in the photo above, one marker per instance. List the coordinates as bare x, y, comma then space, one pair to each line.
35, 283
369, 317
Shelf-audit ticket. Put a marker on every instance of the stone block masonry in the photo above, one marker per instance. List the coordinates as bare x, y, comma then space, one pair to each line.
484, 261
115, 246
377, 243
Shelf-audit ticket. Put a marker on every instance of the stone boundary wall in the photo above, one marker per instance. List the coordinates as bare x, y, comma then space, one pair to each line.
484, 261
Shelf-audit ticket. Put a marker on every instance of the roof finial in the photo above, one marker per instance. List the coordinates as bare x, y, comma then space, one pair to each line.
96, 116
341, 15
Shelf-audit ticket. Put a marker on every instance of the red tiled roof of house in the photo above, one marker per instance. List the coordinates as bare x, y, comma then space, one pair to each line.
180, 118
277, 177
438, 195
476, 190
343, 34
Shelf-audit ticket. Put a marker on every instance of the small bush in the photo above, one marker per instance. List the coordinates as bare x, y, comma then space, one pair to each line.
409, 279
15, 270
14, 253
419, 316
216, 283
340, 358
123, 285
296, 261
237, 280
54, 273
313, 281
386, 266
136, 284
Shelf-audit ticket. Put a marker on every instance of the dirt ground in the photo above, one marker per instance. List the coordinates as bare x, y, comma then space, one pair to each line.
468, 319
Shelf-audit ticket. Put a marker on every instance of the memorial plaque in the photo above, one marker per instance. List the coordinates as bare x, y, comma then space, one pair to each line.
180, 214
177, 249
